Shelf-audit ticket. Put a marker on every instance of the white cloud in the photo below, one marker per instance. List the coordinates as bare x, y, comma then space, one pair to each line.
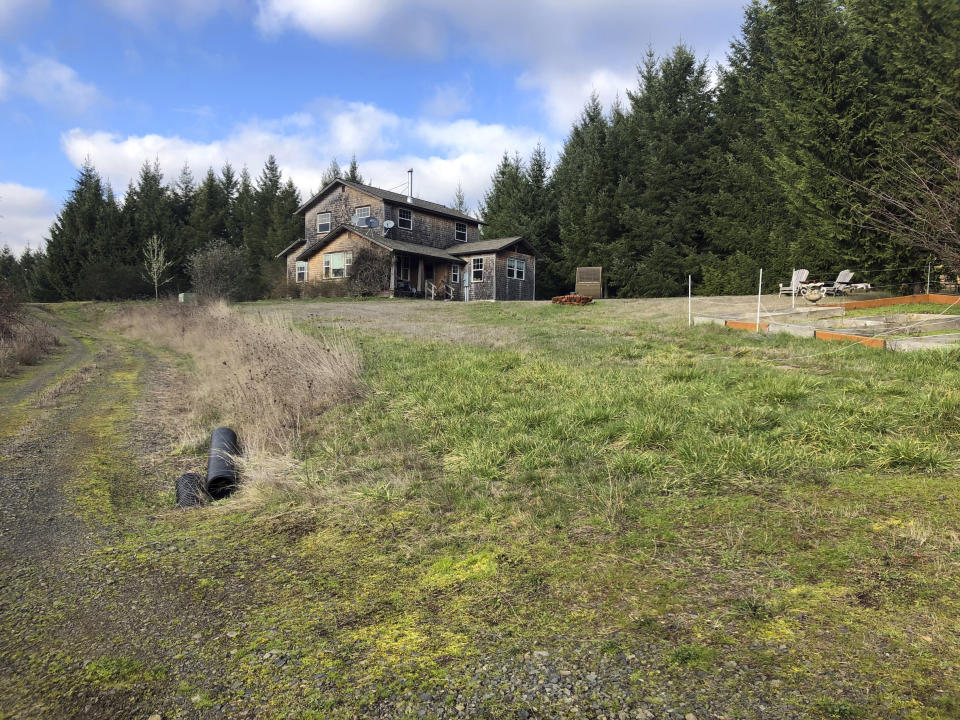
4, 84
14, 12
567, 48
56, 85
25, 216
461, 151
449, 100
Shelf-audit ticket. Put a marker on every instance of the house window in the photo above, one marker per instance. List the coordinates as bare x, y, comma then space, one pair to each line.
362, 212
461, 232
337, 265
301, 271
405, 268
516, 268
405, 219
323, 222
454, 274
477, 270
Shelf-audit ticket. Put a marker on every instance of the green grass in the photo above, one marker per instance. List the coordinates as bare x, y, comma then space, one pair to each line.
925, 308
690, 496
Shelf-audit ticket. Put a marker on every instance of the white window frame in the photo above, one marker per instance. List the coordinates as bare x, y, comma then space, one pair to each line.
327, 223
454, 273
403, 268
362, 211
476, 272
516, 269
301, 270
330, 267
404, 223
458, 234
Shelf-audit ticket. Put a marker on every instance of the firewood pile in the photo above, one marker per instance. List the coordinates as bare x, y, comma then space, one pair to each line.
572, 299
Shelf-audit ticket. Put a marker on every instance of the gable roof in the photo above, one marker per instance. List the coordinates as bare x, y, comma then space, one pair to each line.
288, 248
384, 242
493, 245
390, 196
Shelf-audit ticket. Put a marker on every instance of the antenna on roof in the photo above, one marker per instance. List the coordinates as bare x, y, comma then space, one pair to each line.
410, 186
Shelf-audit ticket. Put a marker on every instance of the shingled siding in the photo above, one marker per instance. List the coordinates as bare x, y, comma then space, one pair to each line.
292, 263
485, 289
511, 289
341, 203
432, 230
348, 242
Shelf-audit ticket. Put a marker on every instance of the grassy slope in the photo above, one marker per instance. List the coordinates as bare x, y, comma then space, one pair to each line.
736, 518
708, 490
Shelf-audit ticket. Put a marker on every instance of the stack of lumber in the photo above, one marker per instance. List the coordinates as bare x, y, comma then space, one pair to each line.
572, 299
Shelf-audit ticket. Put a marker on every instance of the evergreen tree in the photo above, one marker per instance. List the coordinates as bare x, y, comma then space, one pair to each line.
353, 172
333, 172
76, 232
585, 182
459, 201
748, 226
241, 210
209, 218
502, 207
670, 174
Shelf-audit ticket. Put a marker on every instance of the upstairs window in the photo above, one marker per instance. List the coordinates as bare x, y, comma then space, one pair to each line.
516, 268
461, 232
477, 268
301, 271
323, 222
454, 274
405, 219
362, 212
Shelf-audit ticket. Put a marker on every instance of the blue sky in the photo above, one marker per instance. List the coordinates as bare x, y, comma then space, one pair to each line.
440, 86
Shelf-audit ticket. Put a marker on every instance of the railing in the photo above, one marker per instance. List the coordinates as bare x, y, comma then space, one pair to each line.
430, 289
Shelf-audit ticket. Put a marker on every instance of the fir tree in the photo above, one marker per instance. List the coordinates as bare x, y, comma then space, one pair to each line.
353, 172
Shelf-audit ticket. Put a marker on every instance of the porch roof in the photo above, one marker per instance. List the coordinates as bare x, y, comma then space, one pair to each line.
384, 242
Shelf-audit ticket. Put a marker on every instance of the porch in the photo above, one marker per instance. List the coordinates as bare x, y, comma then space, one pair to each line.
424, 275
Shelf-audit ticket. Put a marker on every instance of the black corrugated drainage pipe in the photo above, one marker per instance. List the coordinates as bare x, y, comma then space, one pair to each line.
189, 490
221, 469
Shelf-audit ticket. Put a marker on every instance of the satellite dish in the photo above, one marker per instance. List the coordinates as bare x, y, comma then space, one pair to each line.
357, 220
372, 222
387, 224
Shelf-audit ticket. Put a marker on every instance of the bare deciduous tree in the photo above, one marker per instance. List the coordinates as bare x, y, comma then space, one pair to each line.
920, 203
155, 263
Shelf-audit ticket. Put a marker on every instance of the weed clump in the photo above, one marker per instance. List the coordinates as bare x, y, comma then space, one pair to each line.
23, 340
258, 375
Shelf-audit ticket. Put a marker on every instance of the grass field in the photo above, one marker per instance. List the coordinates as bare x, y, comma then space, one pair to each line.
543, 511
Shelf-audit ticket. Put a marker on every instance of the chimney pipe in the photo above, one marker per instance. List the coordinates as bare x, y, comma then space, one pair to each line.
410, 186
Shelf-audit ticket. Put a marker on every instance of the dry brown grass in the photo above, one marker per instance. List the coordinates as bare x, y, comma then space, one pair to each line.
24, 340
259, 376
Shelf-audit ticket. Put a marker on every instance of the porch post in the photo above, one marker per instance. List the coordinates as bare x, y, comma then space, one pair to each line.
420, 275
393, 275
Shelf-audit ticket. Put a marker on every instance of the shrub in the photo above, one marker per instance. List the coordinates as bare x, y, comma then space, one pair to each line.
217, 271
23, 340
369, 273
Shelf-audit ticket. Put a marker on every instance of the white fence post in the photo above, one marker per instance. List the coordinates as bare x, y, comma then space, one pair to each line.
759, 293
689, 300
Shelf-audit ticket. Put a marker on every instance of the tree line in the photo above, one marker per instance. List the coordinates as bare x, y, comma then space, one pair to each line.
99, 247
827, 140
780, 159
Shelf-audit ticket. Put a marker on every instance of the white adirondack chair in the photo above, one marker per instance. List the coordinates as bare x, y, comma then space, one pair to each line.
799, 277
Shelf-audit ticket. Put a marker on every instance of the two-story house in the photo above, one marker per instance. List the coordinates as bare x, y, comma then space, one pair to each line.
433, 250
